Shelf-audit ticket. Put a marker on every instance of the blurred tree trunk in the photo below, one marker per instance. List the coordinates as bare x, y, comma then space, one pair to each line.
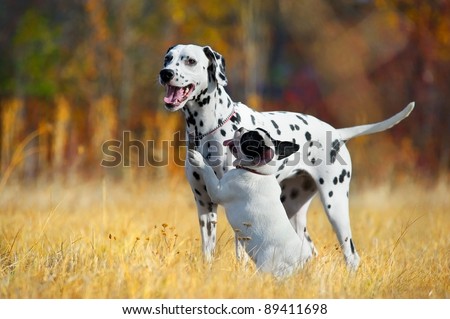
11, 128
255, 47
99, 45
125, 11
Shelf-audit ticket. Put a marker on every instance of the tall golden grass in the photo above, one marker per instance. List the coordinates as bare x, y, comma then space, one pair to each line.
140, 239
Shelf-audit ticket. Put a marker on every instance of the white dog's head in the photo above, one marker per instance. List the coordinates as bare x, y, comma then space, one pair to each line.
257, 151
189, 71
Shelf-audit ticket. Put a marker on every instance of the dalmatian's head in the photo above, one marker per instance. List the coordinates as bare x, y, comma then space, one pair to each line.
190, 71
257, 151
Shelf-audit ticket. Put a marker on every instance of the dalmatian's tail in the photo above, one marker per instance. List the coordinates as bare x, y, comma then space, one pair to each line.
351, 132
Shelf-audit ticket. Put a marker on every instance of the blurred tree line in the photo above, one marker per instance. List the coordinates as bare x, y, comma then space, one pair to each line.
74, 74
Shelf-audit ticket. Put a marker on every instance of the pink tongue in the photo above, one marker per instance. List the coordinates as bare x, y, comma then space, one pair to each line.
173, 94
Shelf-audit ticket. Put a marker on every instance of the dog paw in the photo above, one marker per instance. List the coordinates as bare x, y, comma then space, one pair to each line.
195, 158
352, 261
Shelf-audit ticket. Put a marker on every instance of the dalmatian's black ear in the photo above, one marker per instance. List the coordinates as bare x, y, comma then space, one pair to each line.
170, 48
216, 68
285, 149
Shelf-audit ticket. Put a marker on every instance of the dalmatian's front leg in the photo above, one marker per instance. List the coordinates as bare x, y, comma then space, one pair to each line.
217, 192
206, 209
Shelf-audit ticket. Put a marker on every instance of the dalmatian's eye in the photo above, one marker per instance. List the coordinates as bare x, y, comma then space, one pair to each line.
191, 62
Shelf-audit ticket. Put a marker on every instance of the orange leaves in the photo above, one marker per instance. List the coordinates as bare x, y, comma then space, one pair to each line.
97, 17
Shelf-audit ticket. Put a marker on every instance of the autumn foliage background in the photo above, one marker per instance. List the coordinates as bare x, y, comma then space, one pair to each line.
74, 74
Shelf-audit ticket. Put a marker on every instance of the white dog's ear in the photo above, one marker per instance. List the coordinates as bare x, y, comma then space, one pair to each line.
285, 149
216, 68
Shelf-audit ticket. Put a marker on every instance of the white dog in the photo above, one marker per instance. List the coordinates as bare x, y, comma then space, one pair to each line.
251, 197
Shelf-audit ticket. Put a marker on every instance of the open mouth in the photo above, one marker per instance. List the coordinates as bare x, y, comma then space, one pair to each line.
176, 95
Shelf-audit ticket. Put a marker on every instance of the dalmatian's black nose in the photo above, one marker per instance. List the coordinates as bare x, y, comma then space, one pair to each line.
166, 75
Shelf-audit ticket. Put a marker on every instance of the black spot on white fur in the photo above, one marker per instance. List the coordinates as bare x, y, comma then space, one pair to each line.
308, 136
302, 119
335, 146
276, 126
236, 118
352, 246
342, 176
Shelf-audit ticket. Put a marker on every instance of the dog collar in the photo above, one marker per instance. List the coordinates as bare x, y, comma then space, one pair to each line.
199, 137
251, 170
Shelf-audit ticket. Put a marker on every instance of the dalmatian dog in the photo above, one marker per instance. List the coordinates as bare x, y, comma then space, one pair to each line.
194, 80
251, 197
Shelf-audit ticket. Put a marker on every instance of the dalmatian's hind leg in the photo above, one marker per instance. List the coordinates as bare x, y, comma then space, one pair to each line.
334, 195
297, 194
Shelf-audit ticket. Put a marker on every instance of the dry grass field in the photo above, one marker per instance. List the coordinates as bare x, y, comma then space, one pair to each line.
103, 239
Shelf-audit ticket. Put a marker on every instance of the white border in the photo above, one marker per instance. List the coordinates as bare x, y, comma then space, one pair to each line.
112, 308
